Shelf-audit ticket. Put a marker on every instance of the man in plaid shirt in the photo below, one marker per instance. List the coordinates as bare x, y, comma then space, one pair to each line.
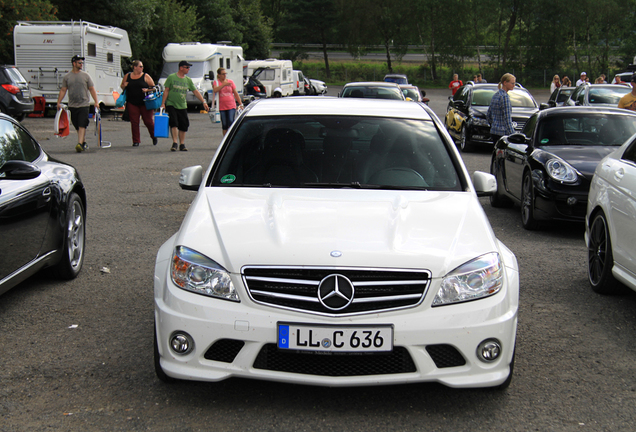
500, 109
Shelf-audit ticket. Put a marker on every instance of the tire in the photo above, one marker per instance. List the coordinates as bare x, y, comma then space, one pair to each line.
600, 259
74, 239
158, 370
464, 142
20, 117
527, 204
497, 200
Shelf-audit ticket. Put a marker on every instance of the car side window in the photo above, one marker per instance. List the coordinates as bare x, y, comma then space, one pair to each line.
16, 144
458, 94
528, 129
630, 153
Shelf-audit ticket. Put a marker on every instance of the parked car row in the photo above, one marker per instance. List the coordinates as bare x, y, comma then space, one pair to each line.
377, 302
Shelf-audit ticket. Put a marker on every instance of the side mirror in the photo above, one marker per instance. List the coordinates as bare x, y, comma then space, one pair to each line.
518, 138
191, 178
19, 170
545, 106
485, 184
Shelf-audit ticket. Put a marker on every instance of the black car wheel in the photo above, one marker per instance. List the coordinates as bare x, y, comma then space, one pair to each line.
527, 204
599, 257
497, 200
74, 239
464, 144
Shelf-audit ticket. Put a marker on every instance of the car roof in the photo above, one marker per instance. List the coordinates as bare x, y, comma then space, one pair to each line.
337, 106
572, 110
371, 84
407, 86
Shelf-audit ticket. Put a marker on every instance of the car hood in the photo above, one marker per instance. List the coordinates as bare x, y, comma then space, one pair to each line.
437, 231
582, 158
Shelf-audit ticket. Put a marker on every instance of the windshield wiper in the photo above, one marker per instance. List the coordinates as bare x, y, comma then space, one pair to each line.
354, 185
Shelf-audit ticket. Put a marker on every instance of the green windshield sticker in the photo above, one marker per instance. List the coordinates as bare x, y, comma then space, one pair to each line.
229, 178
545, 141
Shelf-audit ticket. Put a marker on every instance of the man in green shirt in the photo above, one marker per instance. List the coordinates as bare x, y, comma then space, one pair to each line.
174, 101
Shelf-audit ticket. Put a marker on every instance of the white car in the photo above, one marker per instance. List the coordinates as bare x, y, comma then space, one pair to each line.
320, 88
610, 229
336, 249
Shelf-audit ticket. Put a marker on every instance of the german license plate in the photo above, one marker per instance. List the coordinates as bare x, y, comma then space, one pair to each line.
325, 338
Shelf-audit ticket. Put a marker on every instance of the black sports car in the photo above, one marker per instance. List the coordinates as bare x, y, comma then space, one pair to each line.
466, 112
547, 168
42, 210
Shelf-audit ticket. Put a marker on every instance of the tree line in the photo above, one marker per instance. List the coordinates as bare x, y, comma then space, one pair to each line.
595, 36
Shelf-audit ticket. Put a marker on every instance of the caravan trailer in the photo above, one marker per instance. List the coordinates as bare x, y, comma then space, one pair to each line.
273, 74
205, 59
43, 52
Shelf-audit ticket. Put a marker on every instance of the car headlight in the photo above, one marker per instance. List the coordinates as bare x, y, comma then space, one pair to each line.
477, 121
561, 171
479, 278
194, 272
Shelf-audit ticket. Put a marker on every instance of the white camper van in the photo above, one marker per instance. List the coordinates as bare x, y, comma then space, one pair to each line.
273, 74
205, 59
43, 52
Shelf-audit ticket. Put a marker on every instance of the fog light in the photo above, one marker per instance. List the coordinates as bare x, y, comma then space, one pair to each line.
489, 350
181, 343
572, 201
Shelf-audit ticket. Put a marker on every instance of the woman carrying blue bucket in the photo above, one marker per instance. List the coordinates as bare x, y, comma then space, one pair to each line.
137, 84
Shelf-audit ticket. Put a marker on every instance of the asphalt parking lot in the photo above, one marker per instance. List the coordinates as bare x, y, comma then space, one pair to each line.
78, 355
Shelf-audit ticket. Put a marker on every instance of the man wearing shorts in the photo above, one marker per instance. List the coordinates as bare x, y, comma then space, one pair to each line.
80, 87
174, 101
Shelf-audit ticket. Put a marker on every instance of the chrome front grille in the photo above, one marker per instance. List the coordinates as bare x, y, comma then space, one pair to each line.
521, 122
299, 288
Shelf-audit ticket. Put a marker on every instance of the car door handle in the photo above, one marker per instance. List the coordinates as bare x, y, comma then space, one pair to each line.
618, 175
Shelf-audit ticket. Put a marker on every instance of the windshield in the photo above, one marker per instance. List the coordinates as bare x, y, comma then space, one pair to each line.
518, 98
607, 95
197, 70
372, 92
336, 152
411, 93
396, 79
586, 129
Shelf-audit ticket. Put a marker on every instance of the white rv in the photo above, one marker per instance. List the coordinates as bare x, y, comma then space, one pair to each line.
273, 74
43, 52
205, 59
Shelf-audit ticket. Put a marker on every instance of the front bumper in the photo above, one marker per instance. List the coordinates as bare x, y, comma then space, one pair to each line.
239, 340
555, 201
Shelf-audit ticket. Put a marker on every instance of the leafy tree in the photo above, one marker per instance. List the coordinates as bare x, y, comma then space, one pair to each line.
255, 27
20, 10
311, 21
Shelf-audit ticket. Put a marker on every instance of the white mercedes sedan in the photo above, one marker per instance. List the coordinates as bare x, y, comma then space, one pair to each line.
336, 242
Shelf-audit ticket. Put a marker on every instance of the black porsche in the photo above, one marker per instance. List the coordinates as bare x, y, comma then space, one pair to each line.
547, 168
42, 210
